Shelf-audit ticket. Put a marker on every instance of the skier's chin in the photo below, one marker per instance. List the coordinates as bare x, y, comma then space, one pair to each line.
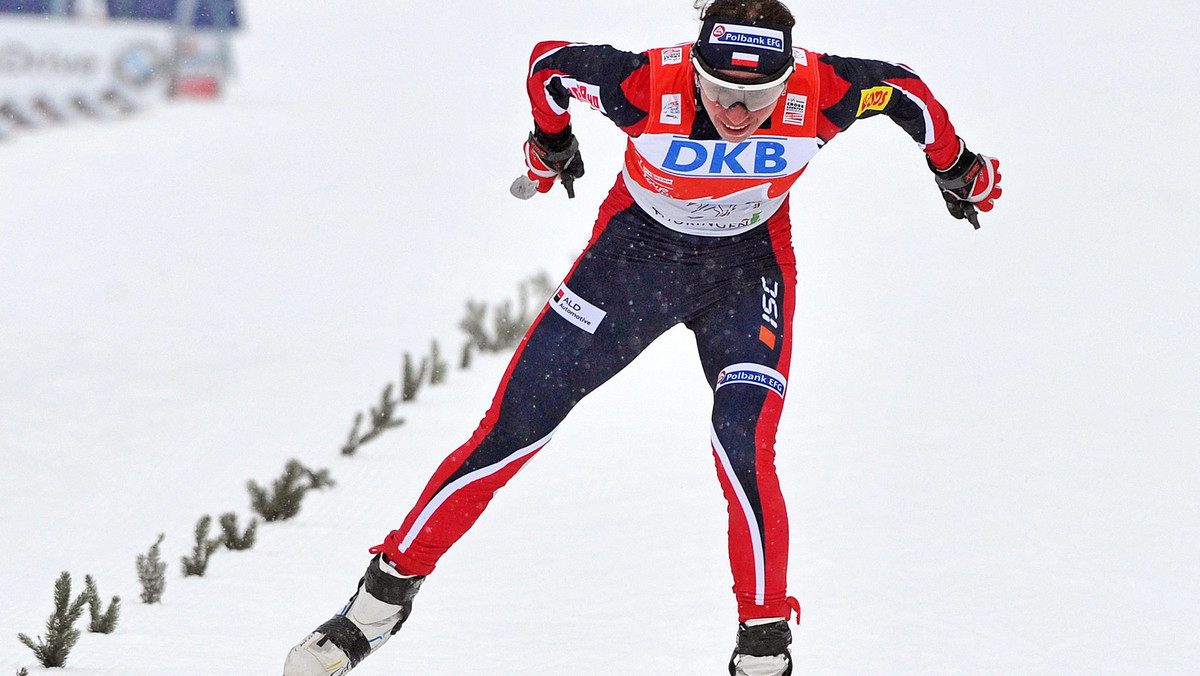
736, 135
738, 124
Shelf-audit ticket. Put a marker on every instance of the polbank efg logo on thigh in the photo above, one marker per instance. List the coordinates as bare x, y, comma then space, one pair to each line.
753, 374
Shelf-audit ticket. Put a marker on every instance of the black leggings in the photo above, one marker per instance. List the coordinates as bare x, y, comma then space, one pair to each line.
635, 280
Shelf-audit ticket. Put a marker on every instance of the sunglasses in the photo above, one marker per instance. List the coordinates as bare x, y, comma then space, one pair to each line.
728, 93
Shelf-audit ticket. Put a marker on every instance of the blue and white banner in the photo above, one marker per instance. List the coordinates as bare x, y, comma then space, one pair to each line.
64, 59
64, 63
753, 374
204, 13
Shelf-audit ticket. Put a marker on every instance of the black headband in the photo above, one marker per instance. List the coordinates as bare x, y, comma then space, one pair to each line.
755, 47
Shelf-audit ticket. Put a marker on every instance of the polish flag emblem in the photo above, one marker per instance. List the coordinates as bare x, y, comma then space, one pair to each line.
746, 60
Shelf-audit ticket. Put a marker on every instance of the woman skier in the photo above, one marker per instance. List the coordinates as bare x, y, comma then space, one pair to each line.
696, 231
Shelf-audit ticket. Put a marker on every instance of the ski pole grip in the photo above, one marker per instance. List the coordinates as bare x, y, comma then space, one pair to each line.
523, 188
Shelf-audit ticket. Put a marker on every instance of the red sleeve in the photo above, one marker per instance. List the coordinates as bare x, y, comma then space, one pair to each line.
614, 82
858, 88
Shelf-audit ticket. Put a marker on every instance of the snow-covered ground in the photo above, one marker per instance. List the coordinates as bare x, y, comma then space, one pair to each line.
989, 451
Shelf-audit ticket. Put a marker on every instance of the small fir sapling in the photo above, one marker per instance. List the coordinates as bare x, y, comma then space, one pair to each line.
283, 500
383, 417
464, 362
152, 573
319, 479
229, 533
507, 327
472, 325
22, 672
438, 366
354, 440
102, 621
412, 377
197, 564
61, 634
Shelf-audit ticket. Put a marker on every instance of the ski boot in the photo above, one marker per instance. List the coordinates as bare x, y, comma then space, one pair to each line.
375, 612
762, 649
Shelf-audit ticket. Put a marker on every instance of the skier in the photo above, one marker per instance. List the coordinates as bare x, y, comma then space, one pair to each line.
695, 231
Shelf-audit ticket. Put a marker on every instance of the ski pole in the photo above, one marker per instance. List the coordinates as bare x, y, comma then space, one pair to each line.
972, 215
524, 187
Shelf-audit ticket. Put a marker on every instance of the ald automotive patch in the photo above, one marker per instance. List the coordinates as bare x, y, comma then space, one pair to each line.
576, 310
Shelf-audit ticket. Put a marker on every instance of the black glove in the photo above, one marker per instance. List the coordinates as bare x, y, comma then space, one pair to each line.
972, 182
550, 156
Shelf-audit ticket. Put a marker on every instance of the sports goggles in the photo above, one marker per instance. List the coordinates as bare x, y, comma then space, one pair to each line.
753, 95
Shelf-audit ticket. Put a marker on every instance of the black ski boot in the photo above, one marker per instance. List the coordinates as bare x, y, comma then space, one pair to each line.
375, 612
762, 649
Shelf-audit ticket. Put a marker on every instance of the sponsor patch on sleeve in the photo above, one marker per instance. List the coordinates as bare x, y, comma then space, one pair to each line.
576, 310
672, 56
583, 91
875, 98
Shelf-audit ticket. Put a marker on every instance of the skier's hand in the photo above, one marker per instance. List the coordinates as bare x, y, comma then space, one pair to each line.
551, 156
971, 183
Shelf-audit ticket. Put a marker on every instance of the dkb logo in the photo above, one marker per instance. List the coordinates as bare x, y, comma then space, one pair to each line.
755, 157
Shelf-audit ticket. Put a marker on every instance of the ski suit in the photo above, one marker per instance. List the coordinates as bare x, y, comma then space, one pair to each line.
695, 231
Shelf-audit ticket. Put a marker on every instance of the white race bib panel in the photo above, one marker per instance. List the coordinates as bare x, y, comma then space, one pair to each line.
707, 217
715, 188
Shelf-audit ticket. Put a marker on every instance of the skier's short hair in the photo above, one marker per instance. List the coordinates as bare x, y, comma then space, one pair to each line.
767, 11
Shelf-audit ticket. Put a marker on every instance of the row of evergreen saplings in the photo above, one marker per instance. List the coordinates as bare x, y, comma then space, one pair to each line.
282, 500
278, 502
503, 332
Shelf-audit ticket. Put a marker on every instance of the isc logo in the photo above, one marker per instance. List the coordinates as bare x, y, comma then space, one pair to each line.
755, 157
875, 98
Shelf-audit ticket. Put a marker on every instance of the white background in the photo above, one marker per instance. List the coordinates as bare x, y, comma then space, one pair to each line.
989, 451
